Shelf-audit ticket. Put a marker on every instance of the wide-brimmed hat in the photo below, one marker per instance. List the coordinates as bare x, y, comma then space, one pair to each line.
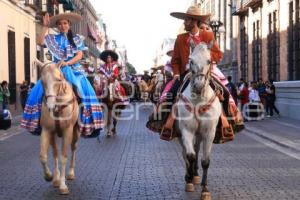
72, 17
106, 53
159, 67
192, 12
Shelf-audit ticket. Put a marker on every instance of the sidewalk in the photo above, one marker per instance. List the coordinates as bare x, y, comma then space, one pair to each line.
14, 129
283, 131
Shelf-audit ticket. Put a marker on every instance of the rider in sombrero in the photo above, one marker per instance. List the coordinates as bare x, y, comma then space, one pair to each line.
110, 69
66, 48
197, 31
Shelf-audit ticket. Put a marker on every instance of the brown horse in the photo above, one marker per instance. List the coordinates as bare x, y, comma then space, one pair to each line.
111, 103
147, 89
58, 119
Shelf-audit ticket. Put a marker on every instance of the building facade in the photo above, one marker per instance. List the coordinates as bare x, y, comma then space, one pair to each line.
226, 35
269, 39
18, 46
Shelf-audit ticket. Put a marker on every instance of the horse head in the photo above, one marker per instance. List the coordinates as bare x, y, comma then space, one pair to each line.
53, 82
200, 62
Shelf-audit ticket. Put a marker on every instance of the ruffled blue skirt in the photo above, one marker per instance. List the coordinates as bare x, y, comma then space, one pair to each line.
91, 116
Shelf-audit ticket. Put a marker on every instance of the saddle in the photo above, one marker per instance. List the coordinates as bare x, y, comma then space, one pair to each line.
225, 130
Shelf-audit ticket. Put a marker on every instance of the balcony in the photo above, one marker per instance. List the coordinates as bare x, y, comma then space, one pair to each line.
251, 3
240, 7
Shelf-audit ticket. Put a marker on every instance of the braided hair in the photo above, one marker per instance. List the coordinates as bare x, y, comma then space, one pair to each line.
70, 38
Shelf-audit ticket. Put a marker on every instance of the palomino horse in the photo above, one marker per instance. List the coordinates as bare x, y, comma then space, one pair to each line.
59, 116
110, 99
198, 112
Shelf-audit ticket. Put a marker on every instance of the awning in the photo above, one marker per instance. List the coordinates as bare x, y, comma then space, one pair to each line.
91, 33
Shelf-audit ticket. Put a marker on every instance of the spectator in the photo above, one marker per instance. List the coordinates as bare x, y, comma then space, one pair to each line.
23, 93
1, 100
261, 87
6, 94
232, 89
271, 98
31, 85
241, 84
244, 95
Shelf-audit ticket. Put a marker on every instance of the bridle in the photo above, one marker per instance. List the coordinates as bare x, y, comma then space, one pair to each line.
197, 110
60, 105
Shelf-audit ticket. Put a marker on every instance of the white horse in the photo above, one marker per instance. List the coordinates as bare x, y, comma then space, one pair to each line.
198, 112
59, 117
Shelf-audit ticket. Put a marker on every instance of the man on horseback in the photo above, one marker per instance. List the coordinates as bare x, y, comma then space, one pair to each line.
197, 31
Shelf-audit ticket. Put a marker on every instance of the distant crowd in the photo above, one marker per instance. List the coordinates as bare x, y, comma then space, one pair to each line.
259, 92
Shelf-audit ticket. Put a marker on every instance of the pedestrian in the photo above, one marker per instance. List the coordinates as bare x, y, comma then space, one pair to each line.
244, 96
66, 48
261, 87
254, 107
271, 98
6, 95
1, 100
24, 87
232, 89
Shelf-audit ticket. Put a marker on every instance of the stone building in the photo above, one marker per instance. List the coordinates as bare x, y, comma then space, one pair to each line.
18, 46
226, 34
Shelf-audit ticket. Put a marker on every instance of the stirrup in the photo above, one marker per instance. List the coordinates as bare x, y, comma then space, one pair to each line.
166, 134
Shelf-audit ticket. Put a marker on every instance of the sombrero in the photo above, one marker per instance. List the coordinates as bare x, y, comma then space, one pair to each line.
72, 17
106, 53
192, 12
158, 67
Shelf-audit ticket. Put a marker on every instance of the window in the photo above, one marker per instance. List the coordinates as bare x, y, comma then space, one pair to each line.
273, 48
256, 52
27, 59
244, 50
294, 42
12, 65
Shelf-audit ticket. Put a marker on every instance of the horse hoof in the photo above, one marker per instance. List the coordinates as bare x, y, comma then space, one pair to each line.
70, 177
205, 196
56, 183
196, 180
189, 187
48, 177
64, 191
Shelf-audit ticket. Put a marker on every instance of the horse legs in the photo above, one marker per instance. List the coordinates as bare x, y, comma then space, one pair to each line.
115, 121
76, 135
56, 179
109, 113
67, 138
196, 178
207, 145
190, 159
45, 141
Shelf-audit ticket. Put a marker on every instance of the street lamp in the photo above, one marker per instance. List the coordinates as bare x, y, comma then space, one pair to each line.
215, 26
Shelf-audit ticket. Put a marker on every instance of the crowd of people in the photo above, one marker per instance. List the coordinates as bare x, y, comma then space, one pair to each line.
260, 93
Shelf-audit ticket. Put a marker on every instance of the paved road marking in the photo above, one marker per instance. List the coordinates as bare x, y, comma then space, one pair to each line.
281, 140
273, 145
12, 132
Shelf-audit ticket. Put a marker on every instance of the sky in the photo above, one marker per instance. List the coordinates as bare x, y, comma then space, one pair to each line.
140, 25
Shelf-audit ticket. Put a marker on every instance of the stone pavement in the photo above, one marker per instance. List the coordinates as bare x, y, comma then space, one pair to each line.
135, 164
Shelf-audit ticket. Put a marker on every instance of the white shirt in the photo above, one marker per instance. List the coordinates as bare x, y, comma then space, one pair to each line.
254, 96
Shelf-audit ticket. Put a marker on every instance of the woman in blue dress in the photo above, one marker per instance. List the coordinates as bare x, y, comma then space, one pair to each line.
67, 48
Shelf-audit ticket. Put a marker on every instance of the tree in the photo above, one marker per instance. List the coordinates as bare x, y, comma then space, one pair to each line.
130, 68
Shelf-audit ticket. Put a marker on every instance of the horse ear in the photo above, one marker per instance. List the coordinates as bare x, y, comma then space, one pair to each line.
39, 63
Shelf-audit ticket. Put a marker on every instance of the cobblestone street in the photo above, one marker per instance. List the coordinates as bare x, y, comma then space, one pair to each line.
136, 164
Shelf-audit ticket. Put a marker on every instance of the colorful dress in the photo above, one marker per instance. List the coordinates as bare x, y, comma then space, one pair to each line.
91, 116
111, 70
